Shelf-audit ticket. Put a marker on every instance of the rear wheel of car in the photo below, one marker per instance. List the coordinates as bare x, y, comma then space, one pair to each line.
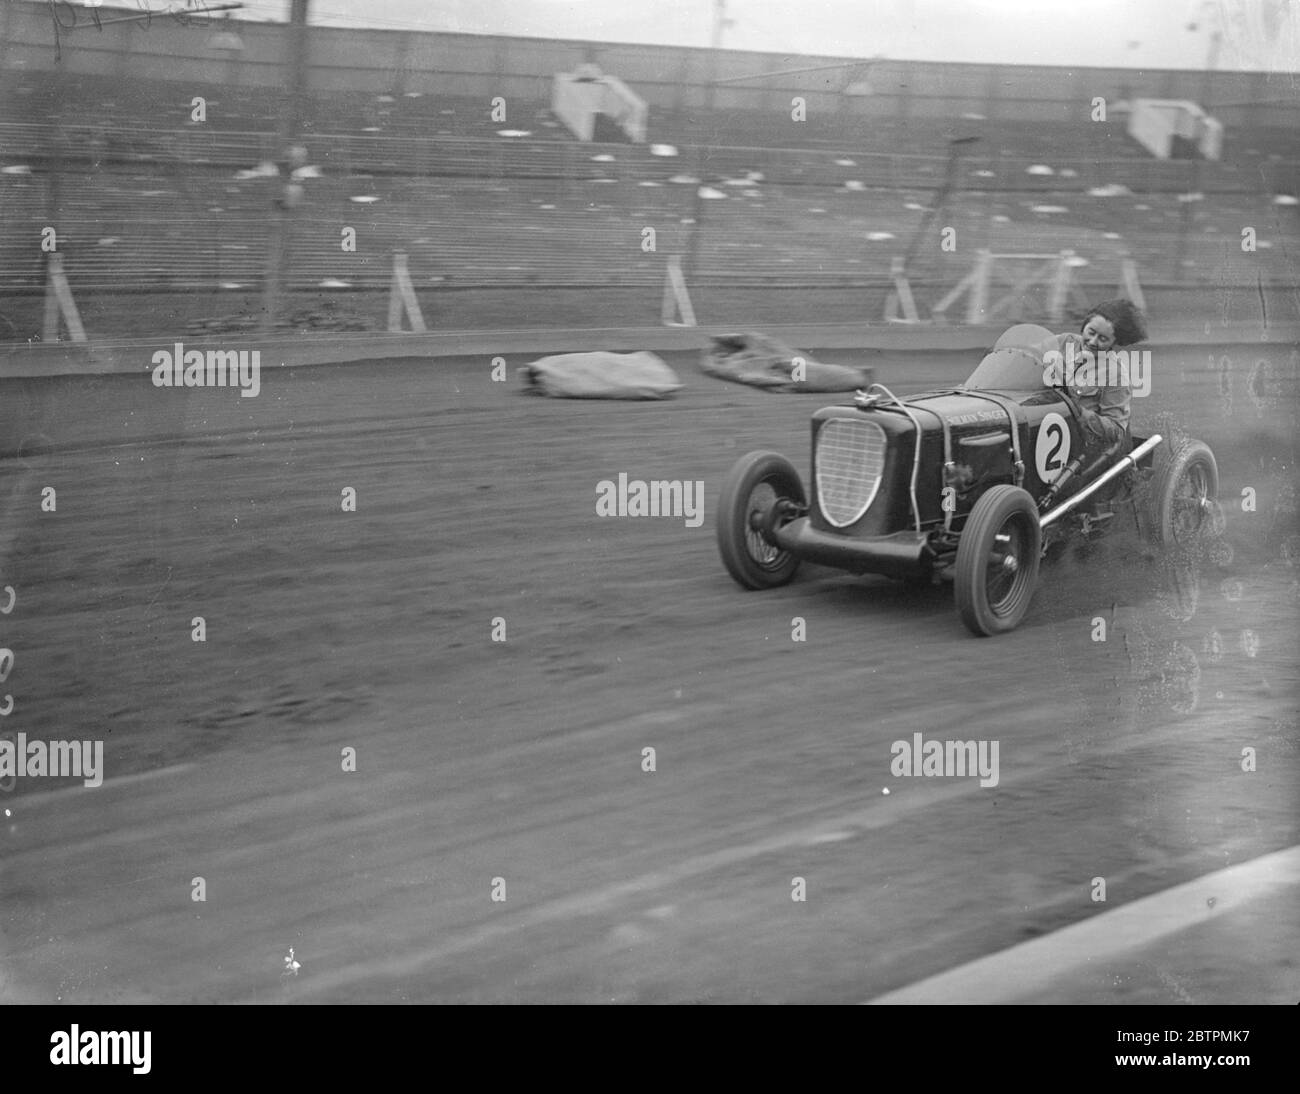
1184, 493
997, 561
754, 485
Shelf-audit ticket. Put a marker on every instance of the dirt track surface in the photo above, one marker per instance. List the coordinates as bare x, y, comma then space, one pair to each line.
522, 760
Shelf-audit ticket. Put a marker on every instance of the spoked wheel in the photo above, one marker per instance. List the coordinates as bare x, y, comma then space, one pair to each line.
1184, 496
755, 485
997, 561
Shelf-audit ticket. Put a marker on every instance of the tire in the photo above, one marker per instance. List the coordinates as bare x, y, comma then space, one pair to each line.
993, 593
1184, 493
753, 485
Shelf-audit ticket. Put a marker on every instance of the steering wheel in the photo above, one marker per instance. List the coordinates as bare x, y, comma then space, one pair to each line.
1062, 388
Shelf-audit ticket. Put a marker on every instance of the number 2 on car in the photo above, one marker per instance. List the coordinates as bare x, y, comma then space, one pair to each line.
1052, 450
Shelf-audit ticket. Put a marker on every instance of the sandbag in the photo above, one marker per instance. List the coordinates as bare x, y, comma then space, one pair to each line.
768, 363
600, 375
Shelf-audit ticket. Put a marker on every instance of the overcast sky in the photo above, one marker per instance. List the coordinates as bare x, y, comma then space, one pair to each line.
1256, 34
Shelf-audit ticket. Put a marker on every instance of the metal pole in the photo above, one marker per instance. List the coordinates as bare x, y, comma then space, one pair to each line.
290, 121
715, 44
697, 215
691, 257
1083, 495
1211, 62
53, 208
941, 198
1186, 217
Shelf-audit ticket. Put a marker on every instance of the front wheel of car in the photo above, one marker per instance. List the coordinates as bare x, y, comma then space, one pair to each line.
1184, 493
997, 561
753, 487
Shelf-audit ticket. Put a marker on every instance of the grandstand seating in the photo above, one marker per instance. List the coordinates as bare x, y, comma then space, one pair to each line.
170, 226
162, 105
147, 200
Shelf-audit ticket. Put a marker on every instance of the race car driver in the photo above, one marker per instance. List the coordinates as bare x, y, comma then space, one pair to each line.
1102, 391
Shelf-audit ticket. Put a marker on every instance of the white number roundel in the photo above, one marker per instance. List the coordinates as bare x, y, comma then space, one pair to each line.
1052, 450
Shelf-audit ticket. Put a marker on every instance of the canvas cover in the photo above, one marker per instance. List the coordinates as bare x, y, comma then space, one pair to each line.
768, 363
601, 375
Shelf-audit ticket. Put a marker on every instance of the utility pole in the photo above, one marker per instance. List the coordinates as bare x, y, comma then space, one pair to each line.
1212, 53
1186, 219
290, 158
720, 23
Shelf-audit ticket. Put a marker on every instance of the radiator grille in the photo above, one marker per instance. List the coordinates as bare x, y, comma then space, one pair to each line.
849, 460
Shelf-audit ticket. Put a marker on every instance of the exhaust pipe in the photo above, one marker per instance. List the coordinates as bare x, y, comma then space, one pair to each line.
1083, 495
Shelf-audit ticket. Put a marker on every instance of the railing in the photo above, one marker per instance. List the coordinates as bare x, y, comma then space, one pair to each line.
460, 237
142, 211
503, 158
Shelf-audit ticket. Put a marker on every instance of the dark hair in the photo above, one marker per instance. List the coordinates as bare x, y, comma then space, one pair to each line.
1125, 316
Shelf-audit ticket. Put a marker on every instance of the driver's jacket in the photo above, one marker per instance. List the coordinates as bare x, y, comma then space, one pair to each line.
1105, 410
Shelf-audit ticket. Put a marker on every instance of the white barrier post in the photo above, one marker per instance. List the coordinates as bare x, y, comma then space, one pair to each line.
978, 285
979, 293
59, 303
677, 300
1060, 287
901, 294
401, 297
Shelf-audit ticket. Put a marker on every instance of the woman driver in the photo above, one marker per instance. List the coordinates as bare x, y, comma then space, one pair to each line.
1104, 397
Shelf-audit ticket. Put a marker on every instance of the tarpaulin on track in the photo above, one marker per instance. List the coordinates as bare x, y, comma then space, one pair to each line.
768, 363
601, 375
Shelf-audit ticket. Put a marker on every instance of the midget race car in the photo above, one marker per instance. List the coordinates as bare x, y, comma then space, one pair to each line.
973, 483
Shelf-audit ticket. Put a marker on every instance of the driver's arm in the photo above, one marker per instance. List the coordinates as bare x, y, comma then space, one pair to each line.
1115, 403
